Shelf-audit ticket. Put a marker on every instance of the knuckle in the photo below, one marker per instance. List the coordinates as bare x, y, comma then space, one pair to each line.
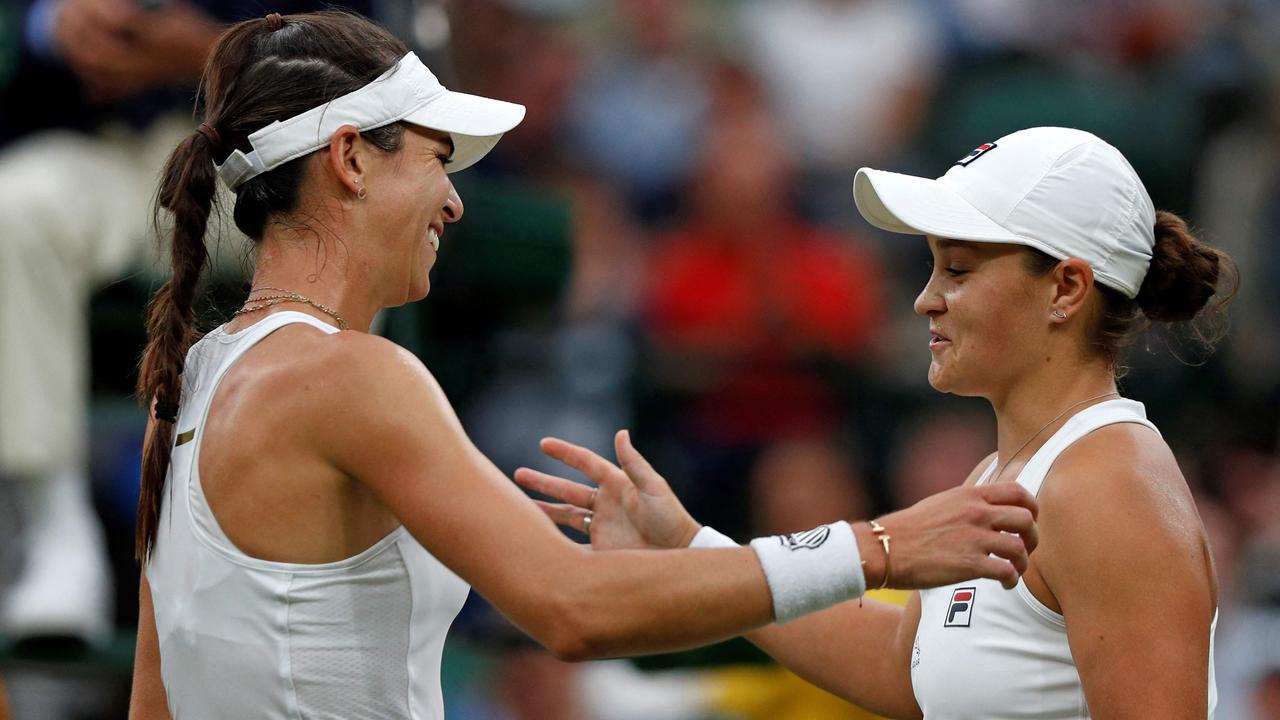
982, 515
974, 561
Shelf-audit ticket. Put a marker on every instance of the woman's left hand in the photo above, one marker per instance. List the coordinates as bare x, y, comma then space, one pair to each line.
631, 506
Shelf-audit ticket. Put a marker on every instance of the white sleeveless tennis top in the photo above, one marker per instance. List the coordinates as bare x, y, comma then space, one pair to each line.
985, 652
247, 638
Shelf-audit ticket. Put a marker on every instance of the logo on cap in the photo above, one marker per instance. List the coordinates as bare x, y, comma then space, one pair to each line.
978, 152
961, 608
808, 540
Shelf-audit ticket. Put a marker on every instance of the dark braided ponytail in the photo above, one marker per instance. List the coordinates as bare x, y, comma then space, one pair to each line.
187, 191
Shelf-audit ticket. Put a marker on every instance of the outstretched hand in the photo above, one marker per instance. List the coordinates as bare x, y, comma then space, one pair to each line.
987, 531
630, 505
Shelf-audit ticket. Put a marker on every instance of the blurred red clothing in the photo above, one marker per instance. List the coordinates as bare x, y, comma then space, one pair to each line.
747, 321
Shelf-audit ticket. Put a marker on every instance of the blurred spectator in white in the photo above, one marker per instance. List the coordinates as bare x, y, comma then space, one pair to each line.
981, 27
850, 80
640, 111
1247, 658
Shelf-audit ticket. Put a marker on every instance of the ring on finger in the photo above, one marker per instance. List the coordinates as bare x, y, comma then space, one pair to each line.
586, 523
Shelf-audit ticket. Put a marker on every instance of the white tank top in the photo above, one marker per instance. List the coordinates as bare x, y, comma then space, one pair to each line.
985, 652
246, 638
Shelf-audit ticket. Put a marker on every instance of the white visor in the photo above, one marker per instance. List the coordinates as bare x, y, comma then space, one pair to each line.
407, 91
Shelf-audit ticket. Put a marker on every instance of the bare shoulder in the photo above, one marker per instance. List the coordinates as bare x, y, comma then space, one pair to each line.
340, 364
1118, 471
1115, 503
356, 377
372, 363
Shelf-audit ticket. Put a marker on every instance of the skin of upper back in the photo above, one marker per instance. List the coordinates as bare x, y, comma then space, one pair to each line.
262, 462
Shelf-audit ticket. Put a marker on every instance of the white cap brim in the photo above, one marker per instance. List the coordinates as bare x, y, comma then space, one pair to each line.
921, 206
408, 92
474, 123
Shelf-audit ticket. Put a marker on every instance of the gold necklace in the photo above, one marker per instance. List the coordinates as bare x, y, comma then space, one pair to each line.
1055, 419
262, 303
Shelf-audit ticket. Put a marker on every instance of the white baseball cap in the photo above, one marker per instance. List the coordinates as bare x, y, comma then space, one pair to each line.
1062, 191
407, 91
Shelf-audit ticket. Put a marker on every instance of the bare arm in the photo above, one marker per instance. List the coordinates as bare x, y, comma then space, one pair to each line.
147, 701
859, 653
1126, 561
394, 430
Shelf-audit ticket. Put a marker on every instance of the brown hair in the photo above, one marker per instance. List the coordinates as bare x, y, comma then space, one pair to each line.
260, 71
1184, 275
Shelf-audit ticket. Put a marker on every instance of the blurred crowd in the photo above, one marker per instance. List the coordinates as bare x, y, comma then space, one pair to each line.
667, 243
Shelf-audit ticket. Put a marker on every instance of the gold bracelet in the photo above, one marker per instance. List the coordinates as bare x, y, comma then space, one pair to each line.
878, 530
883, 536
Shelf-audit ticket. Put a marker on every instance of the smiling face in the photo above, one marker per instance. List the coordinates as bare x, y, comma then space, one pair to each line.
410, 200
986, 317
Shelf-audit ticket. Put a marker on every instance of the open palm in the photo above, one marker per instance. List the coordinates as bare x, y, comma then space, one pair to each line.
631, 505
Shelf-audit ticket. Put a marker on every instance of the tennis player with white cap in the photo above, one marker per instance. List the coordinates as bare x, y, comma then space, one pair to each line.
1048, 255
312, 512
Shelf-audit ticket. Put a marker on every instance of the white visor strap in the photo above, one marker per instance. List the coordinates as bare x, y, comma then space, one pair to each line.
405, 87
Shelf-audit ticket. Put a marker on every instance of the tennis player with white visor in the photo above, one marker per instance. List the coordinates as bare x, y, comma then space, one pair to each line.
1048, 256
312, 513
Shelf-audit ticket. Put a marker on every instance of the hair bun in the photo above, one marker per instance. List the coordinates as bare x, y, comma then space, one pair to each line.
1183, 274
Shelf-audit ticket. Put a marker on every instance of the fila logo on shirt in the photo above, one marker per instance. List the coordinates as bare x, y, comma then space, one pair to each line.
808, 540
978, 152
960, 610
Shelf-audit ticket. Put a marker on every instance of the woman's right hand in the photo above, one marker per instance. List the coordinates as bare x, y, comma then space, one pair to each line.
631, 506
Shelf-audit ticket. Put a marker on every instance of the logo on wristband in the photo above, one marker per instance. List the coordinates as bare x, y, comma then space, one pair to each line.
960, 610
808, 540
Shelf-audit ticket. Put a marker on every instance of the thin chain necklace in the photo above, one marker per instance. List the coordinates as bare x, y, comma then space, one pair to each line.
1042, 429
253, 304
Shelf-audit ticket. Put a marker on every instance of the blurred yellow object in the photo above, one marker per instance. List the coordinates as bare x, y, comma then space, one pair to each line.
762, 692
774, 693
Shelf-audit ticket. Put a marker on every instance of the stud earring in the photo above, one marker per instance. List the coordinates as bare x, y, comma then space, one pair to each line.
1059, 314
361, 193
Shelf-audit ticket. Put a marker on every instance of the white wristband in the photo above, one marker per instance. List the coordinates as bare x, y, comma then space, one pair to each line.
709, 537
811, 570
